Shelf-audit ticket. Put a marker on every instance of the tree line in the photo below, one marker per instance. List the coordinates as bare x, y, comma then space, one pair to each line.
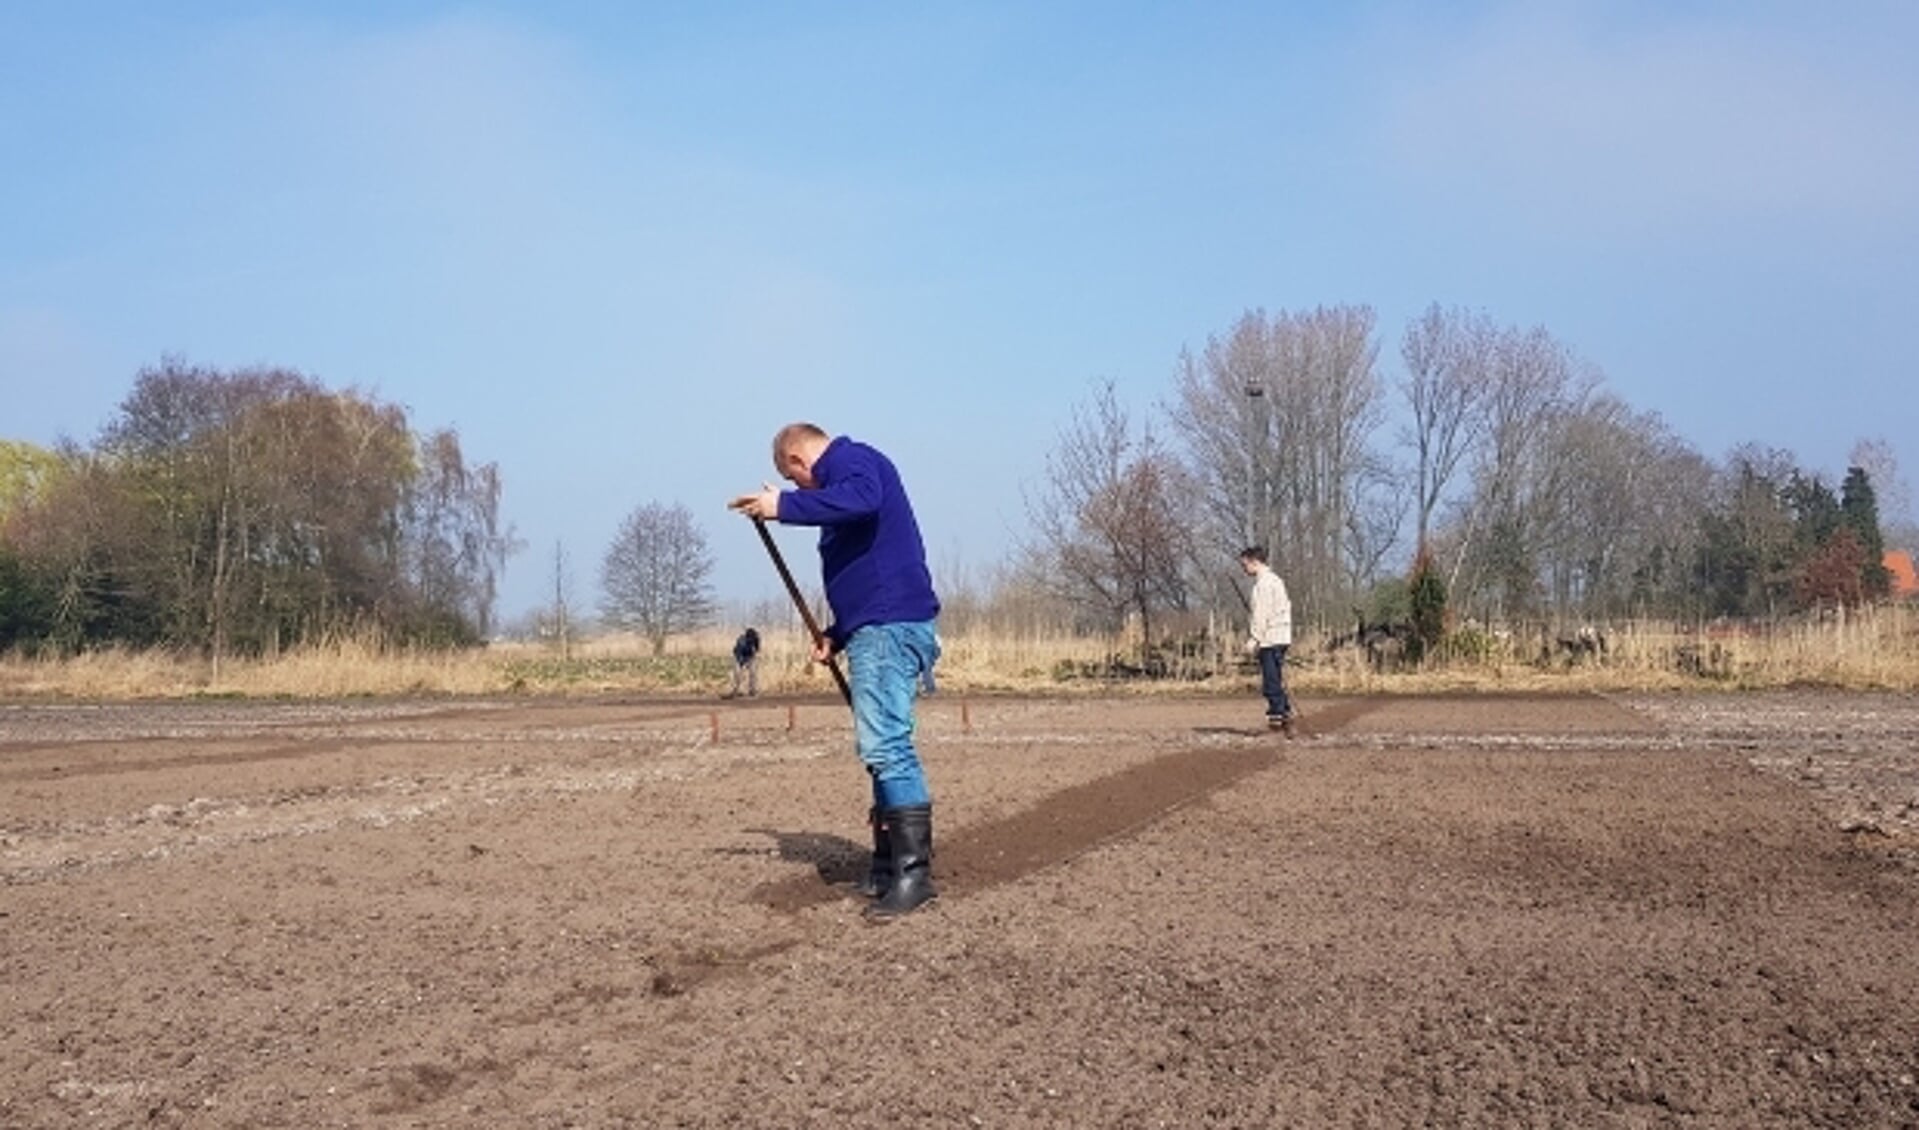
1488, 475
244, 512
1493, 467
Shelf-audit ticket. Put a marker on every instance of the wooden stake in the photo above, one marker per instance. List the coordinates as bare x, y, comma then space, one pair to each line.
714, 716
789, 717
966, 717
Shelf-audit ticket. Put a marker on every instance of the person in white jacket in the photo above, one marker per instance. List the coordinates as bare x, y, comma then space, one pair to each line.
1271, 633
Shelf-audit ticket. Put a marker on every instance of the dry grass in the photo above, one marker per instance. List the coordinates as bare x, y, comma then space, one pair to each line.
334, 669
1873, 649
1876, 649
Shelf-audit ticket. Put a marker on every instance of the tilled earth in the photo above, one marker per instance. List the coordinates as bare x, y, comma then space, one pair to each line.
1580, 911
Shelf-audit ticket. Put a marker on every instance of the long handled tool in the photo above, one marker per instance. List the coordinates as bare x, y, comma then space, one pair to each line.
799, 602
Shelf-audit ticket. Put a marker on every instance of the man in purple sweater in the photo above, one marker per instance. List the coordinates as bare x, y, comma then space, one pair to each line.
881, 594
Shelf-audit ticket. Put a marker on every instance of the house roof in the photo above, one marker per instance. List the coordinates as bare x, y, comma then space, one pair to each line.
1905, 581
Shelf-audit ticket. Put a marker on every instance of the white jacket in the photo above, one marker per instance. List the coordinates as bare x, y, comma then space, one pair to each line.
1272, 613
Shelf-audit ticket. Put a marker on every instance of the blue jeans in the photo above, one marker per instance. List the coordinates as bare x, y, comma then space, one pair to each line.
1272, 681
887, 661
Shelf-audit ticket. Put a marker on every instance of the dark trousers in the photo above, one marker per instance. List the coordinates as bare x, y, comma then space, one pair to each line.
1272, 681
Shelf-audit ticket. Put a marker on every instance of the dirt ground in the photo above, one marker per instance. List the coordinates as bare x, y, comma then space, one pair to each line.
1582, 912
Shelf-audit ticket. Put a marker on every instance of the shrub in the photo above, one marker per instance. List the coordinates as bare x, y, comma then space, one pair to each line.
1427, 601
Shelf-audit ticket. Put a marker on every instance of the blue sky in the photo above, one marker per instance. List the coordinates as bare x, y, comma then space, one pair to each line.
616, 246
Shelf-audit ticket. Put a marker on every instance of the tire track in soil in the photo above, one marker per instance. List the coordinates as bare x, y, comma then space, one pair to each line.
384, 731
1069, 823
1060, 828
247, 756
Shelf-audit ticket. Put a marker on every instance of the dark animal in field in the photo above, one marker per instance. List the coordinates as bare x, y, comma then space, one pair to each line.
1586, 643
1384, 643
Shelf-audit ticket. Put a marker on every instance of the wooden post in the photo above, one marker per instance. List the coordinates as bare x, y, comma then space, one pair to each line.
789, 717
966, 717
714, 717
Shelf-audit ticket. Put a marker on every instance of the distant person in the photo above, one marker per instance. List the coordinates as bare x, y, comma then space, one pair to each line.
881, 595
1270, 633
746, 664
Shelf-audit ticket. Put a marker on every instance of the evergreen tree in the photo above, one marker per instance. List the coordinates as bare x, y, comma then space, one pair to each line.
1859, 511
1747, 556
25, 605
1815, 513
1429, 608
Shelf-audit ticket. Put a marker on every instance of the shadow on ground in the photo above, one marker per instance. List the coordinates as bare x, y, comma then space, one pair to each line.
1058, 828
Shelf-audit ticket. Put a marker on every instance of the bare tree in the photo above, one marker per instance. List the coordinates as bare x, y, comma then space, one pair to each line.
1671, 486
1448, 356
1345, 475
960, 595
1618, 510
1112, 532
1276, 420
1375, 521
560, 616
1217, 415
179, 445
1536, 383
459, 545
1894, 494
655, 574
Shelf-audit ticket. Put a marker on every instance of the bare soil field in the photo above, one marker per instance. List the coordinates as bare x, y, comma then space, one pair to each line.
1453, 911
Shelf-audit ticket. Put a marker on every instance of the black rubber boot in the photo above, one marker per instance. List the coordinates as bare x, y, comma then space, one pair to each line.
880, 875
911, 832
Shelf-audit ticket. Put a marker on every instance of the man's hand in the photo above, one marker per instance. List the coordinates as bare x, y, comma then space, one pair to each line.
822, 650
764, 505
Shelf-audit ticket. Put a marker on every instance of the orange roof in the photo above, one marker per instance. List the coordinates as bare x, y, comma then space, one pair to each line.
1905, 582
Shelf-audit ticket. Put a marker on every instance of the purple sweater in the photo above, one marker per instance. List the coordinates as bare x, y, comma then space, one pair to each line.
870, 548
